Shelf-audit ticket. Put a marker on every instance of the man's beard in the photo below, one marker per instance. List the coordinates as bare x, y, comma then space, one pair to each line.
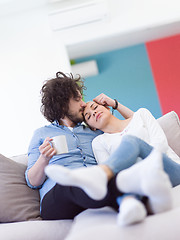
74, 118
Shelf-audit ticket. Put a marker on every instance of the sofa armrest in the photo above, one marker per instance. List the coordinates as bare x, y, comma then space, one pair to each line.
171, 126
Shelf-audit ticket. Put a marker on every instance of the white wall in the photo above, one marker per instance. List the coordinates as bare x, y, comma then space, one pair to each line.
29, 54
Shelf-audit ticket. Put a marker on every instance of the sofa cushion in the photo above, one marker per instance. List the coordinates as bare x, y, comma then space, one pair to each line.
96, 224
18, 202
171, 126
101, 224
37, 230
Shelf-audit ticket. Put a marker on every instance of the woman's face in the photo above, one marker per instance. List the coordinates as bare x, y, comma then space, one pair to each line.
96, 115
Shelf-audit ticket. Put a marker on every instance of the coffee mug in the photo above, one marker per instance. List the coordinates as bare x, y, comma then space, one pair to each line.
60, 144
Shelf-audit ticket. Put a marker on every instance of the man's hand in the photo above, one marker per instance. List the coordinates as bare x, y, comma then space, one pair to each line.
46, 150
36, 173
104, 100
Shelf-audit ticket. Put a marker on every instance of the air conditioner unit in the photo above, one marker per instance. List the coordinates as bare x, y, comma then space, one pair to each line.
85, 69
77, 13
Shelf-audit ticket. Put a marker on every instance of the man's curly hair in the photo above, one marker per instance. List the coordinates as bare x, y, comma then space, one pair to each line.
56, 94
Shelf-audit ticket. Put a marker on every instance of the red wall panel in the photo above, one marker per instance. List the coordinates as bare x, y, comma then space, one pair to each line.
164, 56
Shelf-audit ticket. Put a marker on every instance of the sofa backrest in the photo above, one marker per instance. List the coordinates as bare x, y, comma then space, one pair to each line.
171, 125
169, 122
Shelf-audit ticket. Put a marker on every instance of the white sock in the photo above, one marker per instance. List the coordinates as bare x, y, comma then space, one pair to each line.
93, 180
148, 178
131, 211
159, 192
131, 179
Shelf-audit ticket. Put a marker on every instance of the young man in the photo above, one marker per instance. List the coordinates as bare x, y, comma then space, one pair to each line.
62, 106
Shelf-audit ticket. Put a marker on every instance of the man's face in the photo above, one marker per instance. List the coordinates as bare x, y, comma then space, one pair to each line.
76, 108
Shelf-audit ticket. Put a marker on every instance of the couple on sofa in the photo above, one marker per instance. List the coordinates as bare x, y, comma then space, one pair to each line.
75, 181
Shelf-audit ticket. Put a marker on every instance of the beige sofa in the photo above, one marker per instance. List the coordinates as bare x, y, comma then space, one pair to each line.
21, 206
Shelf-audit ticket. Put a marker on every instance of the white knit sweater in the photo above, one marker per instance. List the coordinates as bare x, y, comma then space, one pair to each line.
142, 125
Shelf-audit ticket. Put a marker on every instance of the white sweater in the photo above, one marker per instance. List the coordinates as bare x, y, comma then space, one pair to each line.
143, 125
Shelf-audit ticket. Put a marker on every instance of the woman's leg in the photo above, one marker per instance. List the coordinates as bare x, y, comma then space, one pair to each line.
130, 149
172, 169
148, 178
127, 153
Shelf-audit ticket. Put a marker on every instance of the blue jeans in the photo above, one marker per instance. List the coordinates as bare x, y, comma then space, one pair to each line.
130, 149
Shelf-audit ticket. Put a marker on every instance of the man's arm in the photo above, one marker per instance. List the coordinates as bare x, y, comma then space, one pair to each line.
109, 102
36, 174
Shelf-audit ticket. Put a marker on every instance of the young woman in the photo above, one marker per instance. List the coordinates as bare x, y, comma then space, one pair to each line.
116, 152
141, 124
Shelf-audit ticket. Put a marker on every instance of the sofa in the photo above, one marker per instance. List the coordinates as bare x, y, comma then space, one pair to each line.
20, 218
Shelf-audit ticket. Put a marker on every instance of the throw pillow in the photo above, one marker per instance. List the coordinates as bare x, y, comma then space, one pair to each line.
18, 202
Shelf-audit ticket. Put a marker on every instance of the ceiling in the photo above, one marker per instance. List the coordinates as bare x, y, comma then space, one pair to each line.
123, 23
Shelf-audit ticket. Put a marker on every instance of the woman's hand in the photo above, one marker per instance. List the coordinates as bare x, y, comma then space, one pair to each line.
46, 150
104, 100
109, 102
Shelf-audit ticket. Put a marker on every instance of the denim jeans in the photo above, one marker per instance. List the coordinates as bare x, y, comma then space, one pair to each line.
128, 152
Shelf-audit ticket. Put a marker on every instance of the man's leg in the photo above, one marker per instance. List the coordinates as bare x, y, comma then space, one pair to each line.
64, 202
